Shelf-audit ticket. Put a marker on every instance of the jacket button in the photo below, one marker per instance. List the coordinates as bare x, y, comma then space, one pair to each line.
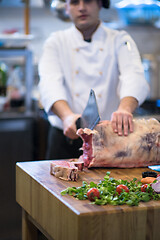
77, 72
77, 49
77, 94
99, 95
100, 73
101, 49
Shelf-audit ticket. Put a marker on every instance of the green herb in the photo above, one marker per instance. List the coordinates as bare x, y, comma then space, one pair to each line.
109, 195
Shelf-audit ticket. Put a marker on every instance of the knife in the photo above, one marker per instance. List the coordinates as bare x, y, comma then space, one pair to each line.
90, 116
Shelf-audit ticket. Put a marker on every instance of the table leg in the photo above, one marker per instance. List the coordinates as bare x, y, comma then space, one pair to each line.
29, 230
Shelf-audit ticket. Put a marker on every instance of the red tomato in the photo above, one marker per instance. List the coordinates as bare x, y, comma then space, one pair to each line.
120, 187
144, 187
92, 193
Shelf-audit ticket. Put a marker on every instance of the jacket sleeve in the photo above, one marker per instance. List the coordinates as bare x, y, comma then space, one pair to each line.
131, 72
51, 84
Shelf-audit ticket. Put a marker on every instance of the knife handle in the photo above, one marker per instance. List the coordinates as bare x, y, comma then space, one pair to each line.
78, 123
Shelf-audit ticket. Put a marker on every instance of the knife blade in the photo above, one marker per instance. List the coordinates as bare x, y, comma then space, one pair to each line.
90, 116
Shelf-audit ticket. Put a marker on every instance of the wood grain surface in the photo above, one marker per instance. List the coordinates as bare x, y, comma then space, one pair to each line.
66, 218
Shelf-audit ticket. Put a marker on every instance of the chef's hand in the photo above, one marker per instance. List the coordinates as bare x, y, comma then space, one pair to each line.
63, 111
122, 119
122, 122
69, 126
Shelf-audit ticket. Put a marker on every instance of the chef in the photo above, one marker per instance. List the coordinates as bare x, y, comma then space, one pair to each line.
88, 55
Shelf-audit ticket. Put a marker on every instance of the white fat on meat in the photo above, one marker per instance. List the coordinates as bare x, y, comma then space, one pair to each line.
104, 148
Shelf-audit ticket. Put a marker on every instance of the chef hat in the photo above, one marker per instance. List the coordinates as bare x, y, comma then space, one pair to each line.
105, 3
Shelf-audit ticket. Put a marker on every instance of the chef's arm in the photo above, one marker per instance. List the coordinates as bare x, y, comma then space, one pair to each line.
63, 111
122, 119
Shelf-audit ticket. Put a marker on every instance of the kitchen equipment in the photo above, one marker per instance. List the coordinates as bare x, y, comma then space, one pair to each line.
15, 40
90, 116
27, 55
149, 174
39, 195
138, 11
59, 7
3, 78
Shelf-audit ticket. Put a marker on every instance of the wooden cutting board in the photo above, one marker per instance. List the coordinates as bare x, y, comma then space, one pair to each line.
66, 218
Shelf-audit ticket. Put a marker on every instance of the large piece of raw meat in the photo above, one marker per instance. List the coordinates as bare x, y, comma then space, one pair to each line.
104, 148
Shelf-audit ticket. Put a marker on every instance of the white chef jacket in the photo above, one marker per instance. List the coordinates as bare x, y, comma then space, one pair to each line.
110, 65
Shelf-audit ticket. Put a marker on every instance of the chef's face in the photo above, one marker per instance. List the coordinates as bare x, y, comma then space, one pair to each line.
84, 13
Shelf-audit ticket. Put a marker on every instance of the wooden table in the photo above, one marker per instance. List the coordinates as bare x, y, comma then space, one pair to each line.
65, 218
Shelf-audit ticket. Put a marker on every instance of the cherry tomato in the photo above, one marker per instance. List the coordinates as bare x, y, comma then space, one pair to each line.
120, 187
144, 187
92, 193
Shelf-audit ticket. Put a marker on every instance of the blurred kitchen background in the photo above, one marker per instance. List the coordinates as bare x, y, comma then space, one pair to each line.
24, 26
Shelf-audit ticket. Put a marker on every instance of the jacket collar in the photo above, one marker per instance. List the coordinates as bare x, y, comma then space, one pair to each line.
77, 36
